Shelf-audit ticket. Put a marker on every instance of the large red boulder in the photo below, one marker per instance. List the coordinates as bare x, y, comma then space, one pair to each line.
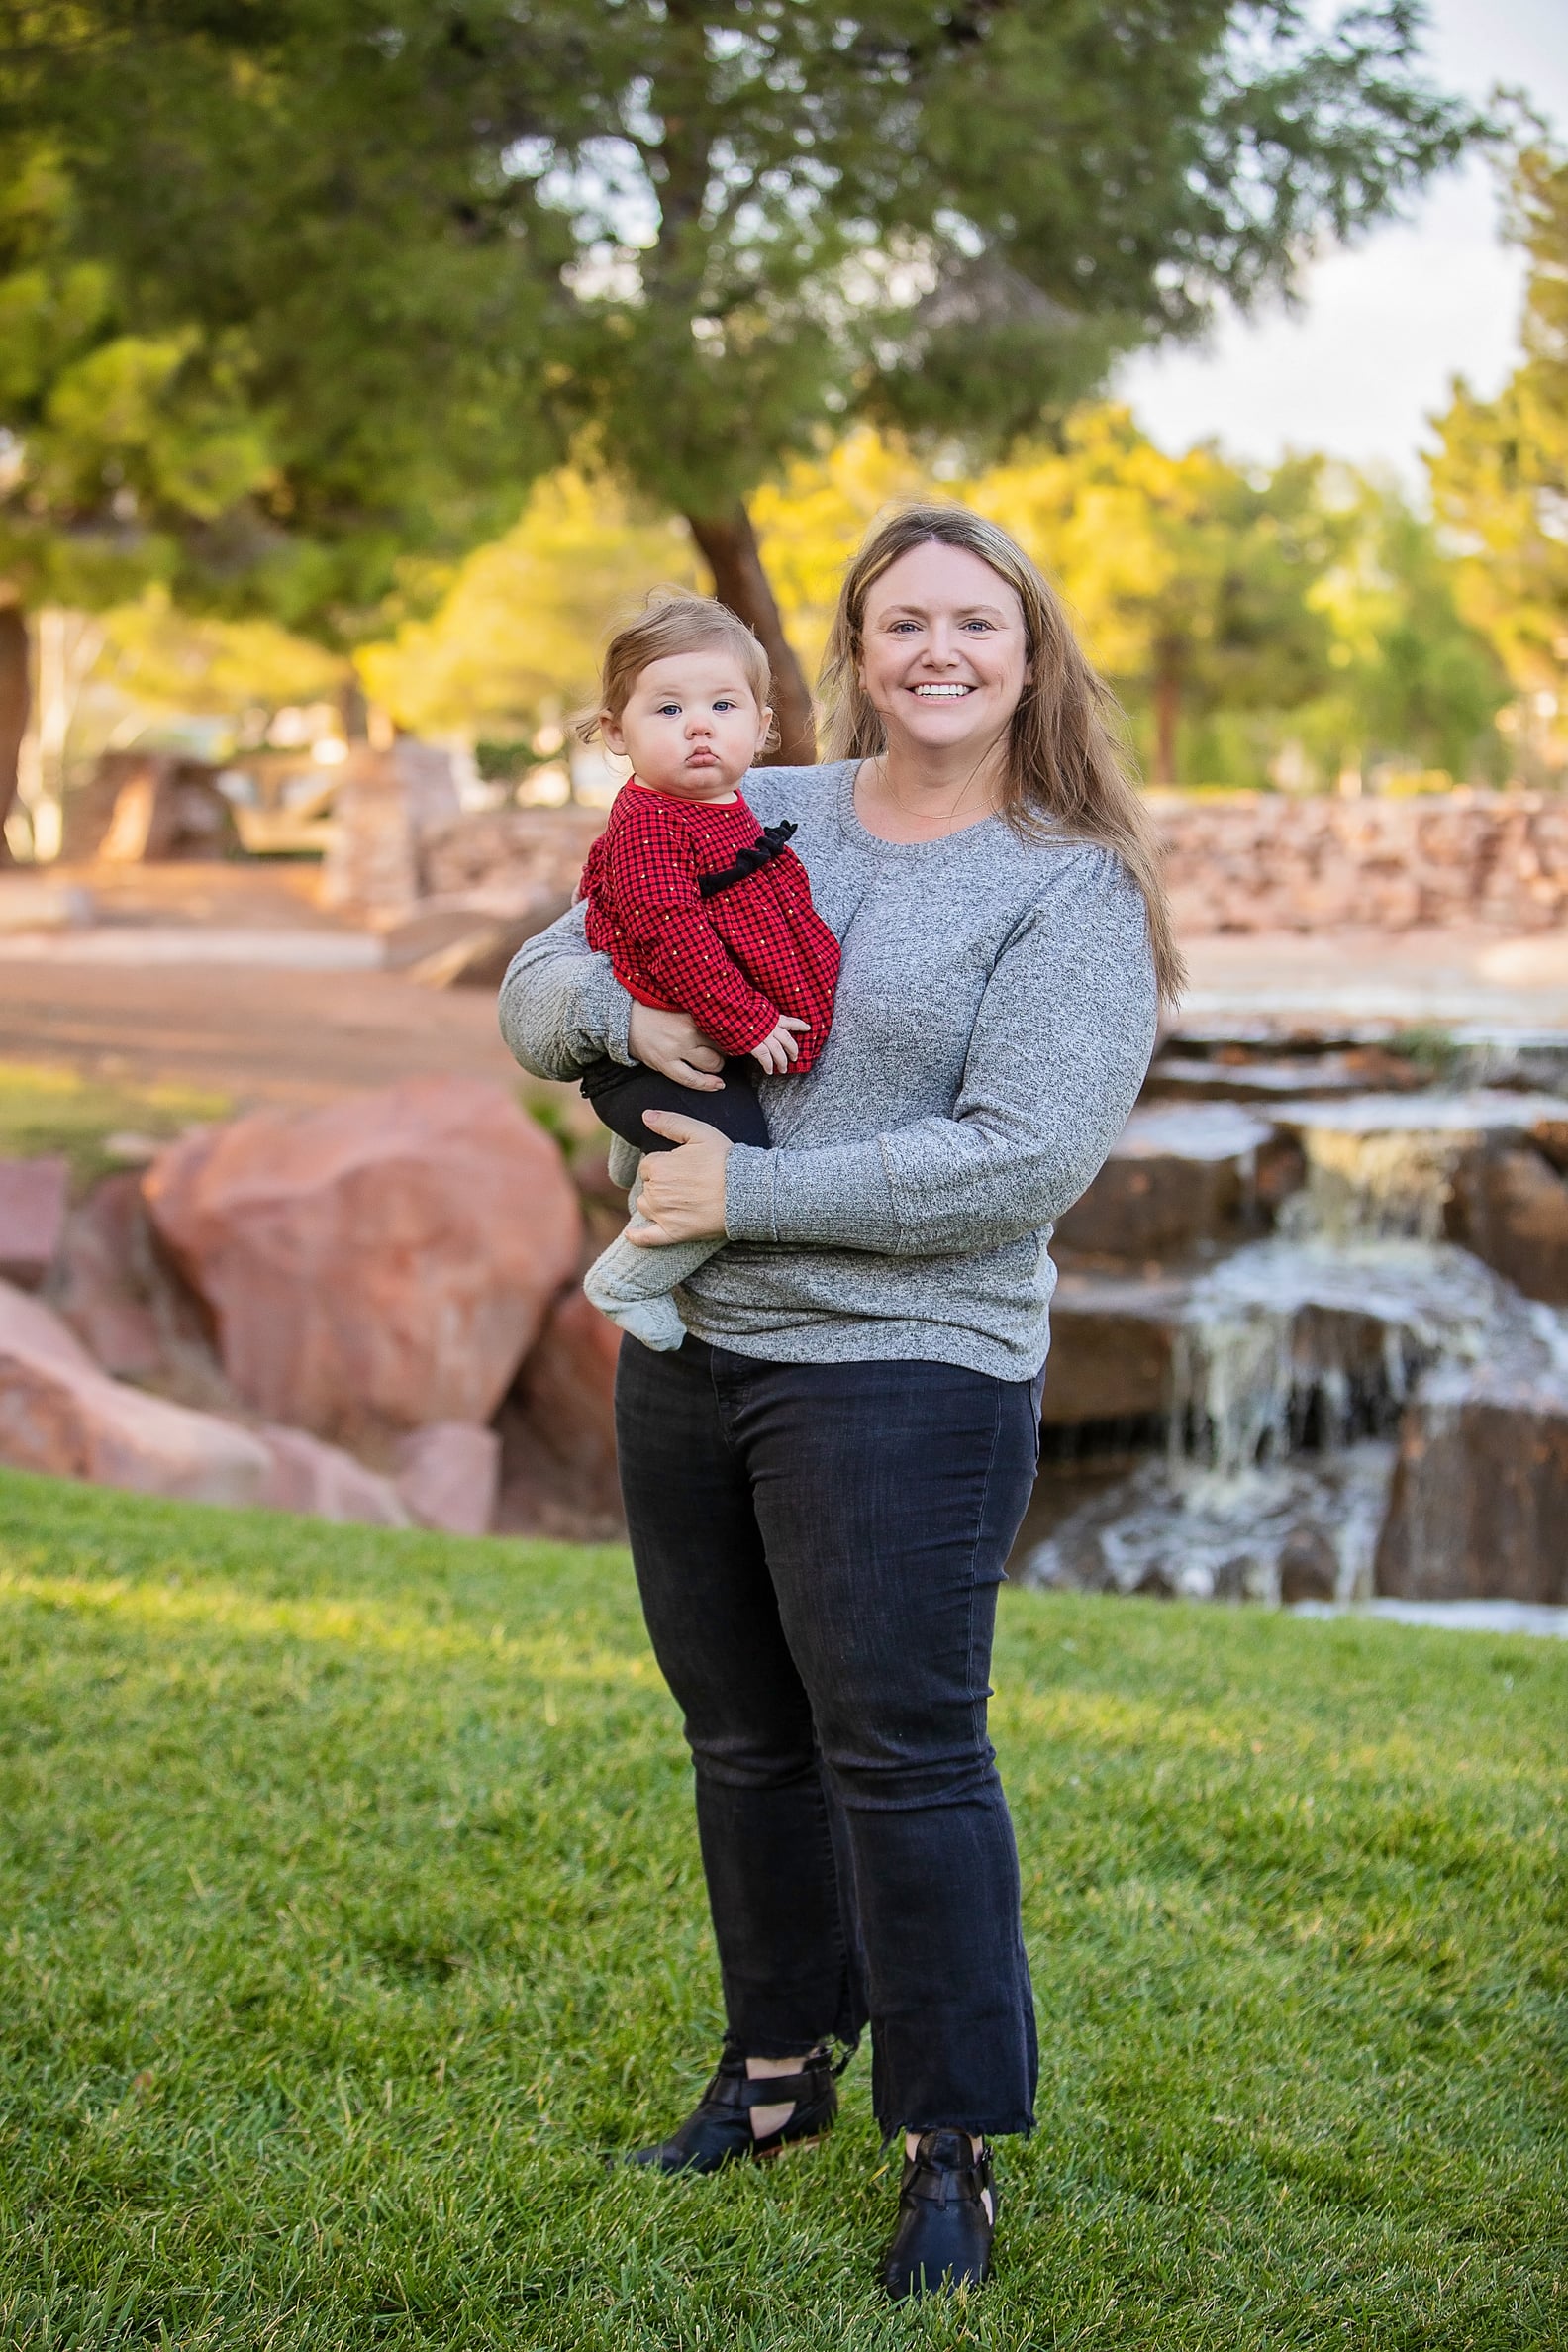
568, 1388
378, 1264
58, 1413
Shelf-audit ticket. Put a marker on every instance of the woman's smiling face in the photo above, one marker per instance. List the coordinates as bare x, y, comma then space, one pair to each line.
943, 654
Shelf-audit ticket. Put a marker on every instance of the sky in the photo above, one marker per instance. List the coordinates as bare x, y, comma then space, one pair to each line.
1386, 325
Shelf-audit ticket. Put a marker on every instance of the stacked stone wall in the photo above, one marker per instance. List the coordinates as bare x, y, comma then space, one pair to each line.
1265, 861
1247, 862
515, 850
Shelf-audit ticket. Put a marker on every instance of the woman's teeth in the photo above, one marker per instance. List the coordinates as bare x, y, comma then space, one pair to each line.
941, 693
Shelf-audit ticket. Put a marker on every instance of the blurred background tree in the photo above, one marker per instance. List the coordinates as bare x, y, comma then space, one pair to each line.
1190, 576
1245, 615
232, 362
420, 251
513, 647
172, 666
1415, 686
120, 450
1500, 480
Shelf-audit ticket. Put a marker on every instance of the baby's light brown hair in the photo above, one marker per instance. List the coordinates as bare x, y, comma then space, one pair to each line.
676, 623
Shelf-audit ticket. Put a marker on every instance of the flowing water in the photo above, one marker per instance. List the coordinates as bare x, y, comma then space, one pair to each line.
1294, 1357
1303, 1529
1380, 1166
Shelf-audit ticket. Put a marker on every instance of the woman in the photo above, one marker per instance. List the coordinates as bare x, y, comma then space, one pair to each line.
824, 1482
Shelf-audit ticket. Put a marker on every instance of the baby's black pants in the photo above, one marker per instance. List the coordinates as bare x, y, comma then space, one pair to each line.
620, 1095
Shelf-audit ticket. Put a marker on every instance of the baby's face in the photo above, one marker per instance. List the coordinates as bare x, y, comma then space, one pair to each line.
691, 725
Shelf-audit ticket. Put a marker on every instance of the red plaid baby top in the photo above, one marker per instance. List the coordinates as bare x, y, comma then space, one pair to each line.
734, 959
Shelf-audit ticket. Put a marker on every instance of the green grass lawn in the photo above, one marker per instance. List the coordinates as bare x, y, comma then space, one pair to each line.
350, 1915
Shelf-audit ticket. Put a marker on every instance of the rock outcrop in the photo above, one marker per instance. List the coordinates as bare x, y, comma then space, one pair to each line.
145, 806
519, 852
131, 1309
102, 1284
558, 1428
448, 1477
1184, 1179
387, 806
377, 1265
322, 1481
33, 1196
1244, 862
1510, 1205
1112, 1343
1480, 1502
61, 1415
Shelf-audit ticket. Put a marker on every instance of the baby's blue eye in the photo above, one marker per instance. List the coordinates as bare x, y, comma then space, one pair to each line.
670, 710
726, 706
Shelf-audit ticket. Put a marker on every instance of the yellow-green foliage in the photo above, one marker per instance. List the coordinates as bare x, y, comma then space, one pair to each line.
810, 521
1229, 606
169, 662
1204, 590
1500, 475
520, 636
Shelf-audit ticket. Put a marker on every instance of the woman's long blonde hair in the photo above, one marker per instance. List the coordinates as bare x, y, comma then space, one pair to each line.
1065, 770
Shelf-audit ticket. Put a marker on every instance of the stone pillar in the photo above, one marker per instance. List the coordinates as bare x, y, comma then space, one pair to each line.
387, 803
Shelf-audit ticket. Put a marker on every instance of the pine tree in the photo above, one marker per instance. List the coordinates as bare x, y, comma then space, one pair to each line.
437, 245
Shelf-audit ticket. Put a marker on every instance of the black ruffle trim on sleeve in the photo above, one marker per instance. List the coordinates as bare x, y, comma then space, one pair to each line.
775, 839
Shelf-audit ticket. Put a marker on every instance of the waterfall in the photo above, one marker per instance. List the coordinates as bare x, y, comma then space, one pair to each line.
1383, 1166
1302, 1531
1292, 1360
1292, 1338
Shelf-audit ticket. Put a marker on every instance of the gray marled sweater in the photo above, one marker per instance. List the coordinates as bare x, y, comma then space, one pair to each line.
995, 1018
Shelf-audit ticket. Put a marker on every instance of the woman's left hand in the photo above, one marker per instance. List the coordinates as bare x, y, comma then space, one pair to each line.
683, 1191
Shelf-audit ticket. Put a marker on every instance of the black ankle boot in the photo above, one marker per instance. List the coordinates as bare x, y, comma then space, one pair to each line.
718, 2130
944, 2233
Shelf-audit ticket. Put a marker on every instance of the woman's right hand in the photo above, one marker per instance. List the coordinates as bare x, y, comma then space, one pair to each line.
673, 1045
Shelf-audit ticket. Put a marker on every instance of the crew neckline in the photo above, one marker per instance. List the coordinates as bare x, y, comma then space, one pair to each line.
854, 824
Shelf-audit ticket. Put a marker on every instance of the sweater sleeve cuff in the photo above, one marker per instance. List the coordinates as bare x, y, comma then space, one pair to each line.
748, 1194
606, 1012
838, 1197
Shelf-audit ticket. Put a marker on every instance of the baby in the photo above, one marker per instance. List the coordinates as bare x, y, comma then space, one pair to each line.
699, 909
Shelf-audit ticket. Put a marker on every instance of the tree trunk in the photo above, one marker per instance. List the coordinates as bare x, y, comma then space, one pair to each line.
353, 709
1167, 720
729, 550
15, 701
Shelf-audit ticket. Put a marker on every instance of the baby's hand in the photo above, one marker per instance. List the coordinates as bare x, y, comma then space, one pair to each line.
778, 1049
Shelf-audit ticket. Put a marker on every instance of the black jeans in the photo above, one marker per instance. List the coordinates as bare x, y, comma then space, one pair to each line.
818, 1548
621, 1094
